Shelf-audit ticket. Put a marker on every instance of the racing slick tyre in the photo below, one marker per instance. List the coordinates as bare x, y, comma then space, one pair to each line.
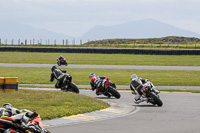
156, 99
114, 92
73, 88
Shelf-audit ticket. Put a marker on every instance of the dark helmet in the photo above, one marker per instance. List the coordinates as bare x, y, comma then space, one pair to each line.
53, 68
7, 105
92, 75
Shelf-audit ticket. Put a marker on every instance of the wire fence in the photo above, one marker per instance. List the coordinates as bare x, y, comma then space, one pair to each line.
115, 43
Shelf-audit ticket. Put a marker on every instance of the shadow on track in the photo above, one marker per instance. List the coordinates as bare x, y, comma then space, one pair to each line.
145, 105
104, 98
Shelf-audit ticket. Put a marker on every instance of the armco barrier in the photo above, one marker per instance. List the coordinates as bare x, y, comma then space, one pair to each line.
102, 50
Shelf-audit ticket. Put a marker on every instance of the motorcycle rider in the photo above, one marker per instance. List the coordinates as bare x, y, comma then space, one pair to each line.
7, 110
59, 75
136, 86
97, 82
59, 58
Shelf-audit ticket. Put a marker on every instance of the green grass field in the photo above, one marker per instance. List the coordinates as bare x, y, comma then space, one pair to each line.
118, 76
101, 59
51, 104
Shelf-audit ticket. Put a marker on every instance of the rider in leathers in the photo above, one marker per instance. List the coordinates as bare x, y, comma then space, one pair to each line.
7, 110
96, 82
136, 86
59, 75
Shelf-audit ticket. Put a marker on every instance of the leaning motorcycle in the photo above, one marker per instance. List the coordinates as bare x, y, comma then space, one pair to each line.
149, 95
29, 122
109, 89
61, 61
68, 85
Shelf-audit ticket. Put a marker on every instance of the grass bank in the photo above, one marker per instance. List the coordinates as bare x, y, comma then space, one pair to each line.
118, 76
51, 104
101, 59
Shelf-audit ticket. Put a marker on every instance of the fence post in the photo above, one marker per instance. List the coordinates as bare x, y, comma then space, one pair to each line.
186, 43
66, 42
80, 42
0, 41
6, 42
25, 42
195, 43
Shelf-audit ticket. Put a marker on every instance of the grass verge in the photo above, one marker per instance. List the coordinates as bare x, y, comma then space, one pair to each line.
118, 76
52, 104
101, 59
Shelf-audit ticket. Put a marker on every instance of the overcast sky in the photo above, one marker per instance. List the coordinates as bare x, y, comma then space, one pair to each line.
75, 17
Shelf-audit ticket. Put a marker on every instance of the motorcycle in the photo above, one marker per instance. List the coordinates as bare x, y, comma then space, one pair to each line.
68, 85
149, 95
29, 122
61, 61
109, 89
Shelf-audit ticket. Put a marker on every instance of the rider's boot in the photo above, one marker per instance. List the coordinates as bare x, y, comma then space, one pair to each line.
137, 98
98, 92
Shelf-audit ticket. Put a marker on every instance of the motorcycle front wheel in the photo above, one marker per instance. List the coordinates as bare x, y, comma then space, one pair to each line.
73, 88
114, 92
156, 100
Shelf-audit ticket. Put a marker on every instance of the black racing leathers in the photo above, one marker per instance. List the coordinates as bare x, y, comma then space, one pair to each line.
137, 85
59, 75
97, 83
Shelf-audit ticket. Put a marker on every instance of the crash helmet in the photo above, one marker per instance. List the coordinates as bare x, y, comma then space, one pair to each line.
53, 68
7, 105
134, 77
92, 75
60, 57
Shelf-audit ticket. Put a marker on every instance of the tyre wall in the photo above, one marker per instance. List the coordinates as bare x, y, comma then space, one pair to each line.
103, 50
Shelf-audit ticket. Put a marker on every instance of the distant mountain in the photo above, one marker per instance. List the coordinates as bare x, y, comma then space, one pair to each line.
148, 28
13, 30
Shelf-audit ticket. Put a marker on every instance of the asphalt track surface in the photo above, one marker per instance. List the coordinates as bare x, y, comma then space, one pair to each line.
187, 68
179, 114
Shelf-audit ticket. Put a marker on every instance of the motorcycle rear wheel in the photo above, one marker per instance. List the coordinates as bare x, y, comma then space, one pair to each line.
156, 99
114, 92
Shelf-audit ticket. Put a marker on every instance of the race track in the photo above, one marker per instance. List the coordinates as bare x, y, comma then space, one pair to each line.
180, 113
187, 68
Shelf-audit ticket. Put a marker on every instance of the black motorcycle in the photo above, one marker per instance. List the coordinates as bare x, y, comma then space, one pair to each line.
149, 95
68, 85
